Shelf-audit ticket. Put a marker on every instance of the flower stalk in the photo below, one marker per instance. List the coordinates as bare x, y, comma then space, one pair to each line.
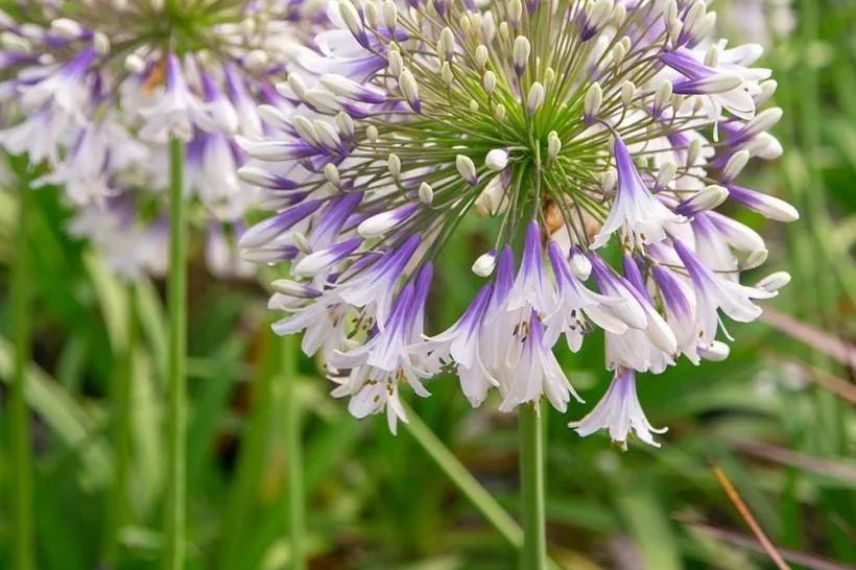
19, 416
533, 556
174, 553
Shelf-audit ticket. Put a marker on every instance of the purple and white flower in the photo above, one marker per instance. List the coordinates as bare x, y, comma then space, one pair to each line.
398, 143
620, 413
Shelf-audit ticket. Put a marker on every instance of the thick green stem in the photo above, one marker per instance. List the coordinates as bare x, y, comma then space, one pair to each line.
174, 553
531, 429
294, 449
19, 415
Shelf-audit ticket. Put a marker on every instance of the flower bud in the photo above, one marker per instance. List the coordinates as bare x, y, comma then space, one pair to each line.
535, 97
331, 172
393, 163
706, 199
489, 82
426, 193
467, 169
520, 53
515, 11
593, 101
496, 160
554, 145
394, 63
481, 56
345, 124
66, 28
662, 97
735, 165
580, 265
484, 265
446, 45
666, 174
390, 15
410, 89
628, 92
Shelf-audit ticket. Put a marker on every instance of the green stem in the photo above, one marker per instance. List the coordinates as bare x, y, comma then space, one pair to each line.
19, 415
531, 429
294, 449
121, 390
464, 480
176, 381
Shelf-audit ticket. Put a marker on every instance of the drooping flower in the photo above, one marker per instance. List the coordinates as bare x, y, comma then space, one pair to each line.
620, 413
621, 125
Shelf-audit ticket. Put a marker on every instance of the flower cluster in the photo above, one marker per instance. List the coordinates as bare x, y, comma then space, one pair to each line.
102, 85
582, 132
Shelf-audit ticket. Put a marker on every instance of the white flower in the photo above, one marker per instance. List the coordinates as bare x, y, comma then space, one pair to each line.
619, 412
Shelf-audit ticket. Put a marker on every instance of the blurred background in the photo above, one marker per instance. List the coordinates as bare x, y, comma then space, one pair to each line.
776, 419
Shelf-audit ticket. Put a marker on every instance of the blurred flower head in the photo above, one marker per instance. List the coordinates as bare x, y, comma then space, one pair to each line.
581, 132
101, 85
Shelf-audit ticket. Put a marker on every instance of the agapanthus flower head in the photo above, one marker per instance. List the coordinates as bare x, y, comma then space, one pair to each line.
580, 131
101, 86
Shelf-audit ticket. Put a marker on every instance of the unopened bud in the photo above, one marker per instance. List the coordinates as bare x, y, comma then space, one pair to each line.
101, 43
446, 45
628, 92
693, 152
484, 265
66, 28
489, 82
535, 97
666, 174
134, 64
593, 101
580, 265
331, 172
390, 15
345, 124
467, 169
515, 11
393, 163
481, 56
706, 199
520, 53
662, 96
426, 193
554, 145
735, 165
496, 160
394, 63
410, 89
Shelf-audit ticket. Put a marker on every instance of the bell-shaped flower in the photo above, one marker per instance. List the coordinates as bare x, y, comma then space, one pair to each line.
637, 213
537, 372
620, 413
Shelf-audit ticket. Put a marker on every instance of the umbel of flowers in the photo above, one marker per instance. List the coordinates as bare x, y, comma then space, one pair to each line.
575, 128
101, 86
